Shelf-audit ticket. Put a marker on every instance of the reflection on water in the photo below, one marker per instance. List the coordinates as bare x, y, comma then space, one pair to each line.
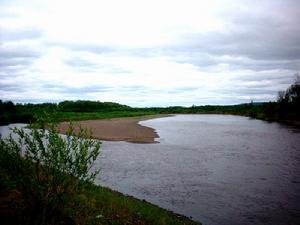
217, 169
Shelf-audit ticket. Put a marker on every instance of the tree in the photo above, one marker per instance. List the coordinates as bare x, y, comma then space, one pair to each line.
293, 92
289, 100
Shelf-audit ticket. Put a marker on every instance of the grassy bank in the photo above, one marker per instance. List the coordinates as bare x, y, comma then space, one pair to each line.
21, 115
79, 116
94, 205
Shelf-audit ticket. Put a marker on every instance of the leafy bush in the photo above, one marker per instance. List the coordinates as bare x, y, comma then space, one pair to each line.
49, 168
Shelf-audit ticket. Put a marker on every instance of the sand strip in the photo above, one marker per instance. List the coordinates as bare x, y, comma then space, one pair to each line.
118, 129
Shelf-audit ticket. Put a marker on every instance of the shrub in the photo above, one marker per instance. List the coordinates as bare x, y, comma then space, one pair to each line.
49, 168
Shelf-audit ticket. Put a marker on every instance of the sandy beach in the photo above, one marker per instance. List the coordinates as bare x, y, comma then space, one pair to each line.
118, 129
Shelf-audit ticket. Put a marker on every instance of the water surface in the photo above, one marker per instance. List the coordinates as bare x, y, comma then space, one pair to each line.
217, 169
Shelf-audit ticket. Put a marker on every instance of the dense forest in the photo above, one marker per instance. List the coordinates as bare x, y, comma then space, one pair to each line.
286, 108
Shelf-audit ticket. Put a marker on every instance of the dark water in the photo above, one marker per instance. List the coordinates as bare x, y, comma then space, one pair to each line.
217, 169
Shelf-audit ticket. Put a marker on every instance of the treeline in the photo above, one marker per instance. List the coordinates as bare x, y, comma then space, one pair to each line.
286, 108
24, 113
91, 106
247, 109
289, 101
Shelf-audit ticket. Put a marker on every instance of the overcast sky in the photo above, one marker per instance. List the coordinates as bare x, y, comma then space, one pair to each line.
148, 53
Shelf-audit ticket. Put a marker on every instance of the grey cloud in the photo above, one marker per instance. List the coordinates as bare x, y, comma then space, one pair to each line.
143, 52
260, 65
272, 33
19, 34
18, 87
34, 100
239, 91
85, 65
14, 62
13, 54
180, 90
8, 87
198, 59
257, 90
145, 91
134, 90
17, 52
85, 47
15, 59
108, 49
116, 70
266, 39
258, 85
90, 48
255, 39
279, 77
81, 64
76, 90
90, 89
206, 61
15, 84
258, 46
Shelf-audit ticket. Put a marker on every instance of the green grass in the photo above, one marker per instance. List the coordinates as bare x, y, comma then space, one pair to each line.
95, 205
111, 207
78, 116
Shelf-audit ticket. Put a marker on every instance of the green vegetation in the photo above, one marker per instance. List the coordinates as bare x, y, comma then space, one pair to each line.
47, 169
65, 111
74, 116
45, 179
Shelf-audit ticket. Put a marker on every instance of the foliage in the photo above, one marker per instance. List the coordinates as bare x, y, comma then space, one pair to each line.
115, 208
48, 168
91, 106
289, 100
65, 111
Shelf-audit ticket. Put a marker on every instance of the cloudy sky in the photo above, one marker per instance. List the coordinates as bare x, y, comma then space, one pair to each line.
148, 53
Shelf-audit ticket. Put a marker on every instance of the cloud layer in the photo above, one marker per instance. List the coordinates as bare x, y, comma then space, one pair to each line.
148, 53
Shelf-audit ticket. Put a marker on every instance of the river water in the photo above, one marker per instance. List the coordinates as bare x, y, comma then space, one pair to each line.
217, 169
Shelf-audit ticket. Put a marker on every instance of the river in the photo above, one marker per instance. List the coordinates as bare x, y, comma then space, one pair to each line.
217, 169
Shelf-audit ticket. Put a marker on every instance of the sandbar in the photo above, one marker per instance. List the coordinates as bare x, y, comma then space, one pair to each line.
118, 129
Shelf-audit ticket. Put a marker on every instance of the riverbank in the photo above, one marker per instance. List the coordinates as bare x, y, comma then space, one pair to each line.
118, 129
95, 205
